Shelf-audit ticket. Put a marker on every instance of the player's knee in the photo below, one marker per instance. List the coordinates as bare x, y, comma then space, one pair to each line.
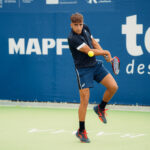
114, 88
84, 95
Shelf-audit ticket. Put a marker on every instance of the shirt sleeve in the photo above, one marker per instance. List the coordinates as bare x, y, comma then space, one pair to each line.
76, 42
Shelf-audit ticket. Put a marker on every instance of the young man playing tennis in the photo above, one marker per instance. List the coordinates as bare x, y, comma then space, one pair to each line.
89, 69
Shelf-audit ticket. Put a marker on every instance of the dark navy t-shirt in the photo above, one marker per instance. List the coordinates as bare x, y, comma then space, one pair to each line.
76, 42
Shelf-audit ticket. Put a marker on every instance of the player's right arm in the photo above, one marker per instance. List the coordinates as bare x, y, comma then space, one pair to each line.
97, 52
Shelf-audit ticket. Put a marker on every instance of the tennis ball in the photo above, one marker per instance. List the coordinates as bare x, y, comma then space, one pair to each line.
91, 53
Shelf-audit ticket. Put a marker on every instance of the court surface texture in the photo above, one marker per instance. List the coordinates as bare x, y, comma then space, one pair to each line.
33, 128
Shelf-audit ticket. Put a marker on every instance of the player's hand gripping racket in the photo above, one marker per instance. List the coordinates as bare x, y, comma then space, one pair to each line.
115, 62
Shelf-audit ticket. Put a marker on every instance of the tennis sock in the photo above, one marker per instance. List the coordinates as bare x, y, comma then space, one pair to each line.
102, 105
81, 125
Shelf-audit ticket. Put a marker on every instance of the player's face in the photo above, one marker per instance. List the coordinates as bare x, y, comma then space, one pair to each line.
77, 27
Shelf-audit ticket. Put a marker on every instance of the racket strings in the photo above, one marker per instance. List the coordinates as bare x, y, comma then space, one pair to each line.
116, 65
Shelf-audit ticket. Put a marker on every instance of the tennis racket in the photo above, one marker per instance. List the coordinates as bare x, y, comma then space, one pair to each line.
115, 65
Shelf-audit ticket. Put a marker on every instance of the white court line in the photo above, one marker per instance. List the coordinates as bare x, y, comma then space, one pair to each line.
112, 133
137, 135
131, 136
58, 131
38, 130
101, 133
74, 132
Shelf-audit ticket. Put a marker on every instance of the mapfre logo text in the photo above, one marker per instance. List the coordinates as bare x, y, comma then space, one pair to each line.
37, 46
34, 46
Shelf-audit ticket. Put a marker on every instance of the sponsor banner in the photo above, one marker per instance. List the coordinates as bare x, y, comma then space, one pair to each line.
36, 64
49, 6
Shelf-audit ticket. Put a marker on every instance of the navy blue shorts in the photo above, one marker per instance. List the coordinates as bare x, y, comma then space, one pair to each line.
86, 76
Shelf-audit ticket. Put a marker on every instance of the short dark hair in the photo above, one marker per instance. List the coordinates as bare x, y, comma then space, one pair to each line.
76, 18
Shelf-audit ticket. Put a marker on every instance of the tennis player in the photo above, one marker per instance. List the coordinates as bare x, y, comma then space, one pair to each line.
89, 69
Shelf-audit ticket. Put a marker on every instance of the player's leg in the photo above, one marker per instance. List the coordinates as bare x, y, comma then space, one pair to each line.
111, 87
84, 100
85, 81
105, 78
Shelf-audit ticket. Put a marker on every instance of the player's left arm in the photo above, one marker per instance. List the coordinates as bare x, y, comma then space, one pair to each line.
96, 45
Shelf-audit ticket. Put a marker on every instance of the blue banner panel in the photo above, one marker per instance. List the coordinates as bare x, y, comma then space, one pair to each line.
35, 61
48, 6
